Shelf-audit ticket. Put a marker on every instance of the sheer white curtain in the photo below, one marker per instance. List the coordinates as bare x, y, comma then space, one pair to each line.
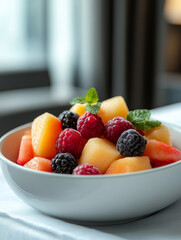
61, 46
19, 50
11, 32
79, 41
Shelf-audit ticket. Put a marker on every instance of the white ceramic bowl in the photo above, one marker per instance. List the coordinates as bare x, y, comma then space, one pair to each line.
92, 199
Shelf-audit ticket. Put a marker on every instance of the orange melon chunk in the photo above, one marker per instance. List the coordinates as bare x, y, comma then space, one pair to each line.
99, 153
113, 107
26, 150
45, 129
78, 108
161, 134
129, 164
39, 164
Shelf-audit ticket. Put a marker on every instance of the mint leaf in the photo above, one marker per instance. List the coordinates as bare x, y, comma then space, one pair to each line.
92, 96
93, 108
80, 100
91, 99
150, 124
140, 118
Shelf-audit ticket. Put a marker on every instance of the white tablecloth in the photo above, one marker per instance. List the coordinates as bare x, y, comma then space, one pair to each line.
19, 221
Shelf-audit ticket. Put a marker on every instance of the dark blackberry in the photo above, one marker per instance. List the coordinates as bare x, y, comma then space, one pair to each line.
68, 119
131, 143
64, 163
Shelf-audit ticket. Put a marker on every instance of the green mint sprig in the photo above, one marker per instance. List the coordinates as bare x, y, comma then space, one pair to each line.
91, 99
140, 118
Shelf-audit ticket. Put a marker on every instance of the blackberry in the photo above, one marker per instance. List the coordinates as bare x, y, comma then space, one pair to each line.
68, 119
131, 143
64, 163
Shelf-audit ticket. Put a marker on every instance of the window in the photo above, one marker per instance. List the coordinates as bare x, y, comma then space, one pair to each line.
22, 31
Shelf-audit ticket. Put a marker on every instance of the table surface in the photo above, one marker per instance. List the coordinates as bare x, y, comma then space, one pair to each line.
19, 221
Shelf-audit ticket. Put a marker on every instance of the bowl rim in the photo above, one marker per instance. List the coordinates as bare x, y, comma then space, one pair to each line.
101, 176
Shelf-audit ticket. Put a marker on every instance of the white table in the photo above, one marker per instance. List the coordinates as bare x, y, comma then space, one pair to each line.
19, 221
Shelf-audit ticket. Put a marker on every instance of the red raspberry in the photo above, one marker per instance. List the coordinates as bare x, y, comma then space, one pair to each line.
86, 169
70, 141
115, 127
90, 125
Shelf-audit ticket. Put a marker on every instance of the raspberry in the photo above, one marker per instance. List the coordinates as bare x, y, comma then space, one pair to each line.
131, 143
68, 119
71, 141
115, 127
64, 163
90, 125
86, 169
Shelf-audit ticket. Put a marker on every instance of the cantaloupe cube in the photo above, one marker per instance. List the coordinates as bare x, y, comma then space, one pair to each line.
161, 134
26, 150
39, 164
78, 108
129, 164
44, 131
99, 153
113, 107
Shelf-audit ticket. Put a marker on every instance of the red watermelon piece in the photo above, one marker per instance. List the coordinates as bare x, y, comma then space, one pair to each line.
160, 153
26, 150
39, 164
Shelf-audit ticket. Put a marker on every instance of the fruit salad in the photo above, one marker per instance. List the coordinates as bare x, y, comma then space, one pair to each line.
95, 138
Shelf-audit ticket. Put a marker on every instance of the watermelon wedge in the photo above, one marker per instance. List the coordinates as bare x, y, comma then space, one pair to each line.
40, 164
160, 153
26, 150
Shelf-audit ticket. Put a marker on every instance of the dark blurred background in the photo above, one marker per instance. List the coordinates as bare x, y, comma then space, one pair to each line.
53, 50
